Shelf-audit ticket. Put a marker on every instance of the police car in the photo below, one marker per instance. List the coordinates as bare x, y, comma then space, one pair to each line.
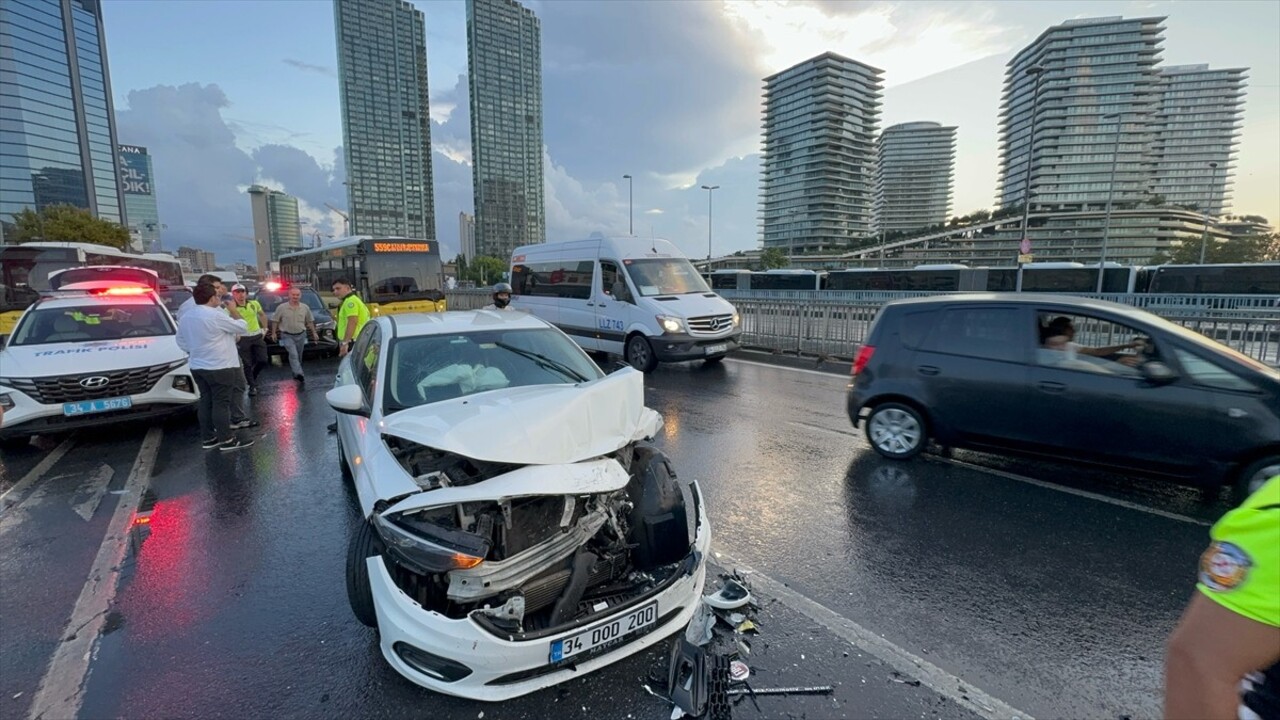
97, 349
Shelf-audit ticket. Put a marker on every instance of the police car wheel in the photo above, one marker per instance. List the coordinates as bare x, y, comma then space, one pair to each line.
1253, 476
364, 544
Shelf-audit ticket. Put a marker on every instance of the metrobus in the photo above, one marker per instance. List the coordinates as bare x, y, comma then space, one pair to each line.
1036, 277
25, 270
1224, 279
391, 274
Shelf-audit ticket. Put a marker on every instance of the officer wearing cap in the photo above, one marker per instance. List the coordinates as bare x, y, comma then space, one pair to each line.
352, 315
252, 345
1223, 659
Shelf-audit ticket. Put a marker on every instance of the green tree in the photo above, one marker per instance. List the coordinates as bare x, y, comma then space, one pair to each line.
1252, 248
67, 223
773, 258
484, 270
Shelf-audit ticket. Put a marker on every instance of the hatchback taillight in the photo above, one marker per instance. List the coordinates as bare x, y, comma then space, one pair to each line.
864, 356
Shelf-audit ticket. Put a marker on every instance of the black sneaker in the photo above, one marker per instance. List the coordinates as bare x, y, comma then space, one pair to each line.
333, 427
242, 424
236, 444
211, 443
253, 391
301, 380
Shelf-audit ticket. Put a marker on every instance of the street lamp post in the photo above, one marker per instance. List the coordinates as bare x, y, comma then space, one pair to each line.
709, 189
1111, 193
1204, 236
631, 208
1036, 72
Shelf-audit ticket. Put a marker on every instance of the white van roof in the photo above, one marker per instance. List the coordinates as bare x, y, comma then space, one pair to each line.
618, 248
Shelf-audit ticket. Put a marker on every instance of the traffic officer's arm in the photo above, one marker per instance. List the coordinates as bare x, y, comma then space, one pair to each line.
1212, 648
262, 316
348, 335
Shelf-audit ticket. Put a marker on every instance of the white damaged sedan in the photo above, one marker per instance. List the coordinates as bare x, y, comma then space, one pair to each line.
519, 529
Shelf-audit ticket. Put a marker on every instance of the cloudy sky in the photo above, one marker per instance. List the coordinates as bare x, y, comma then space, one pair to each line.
226, 94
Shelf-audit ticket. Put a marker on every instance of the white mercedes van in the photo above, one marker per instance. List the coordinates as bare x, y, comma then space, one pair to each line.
638, 298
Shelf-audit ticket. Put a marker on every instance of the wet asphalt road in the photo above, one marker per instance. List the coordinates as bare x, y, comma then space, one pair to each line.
1053, 597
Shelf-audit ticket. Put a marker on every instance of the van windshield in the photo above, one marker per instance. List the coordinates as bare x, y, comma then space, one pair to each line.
665, 276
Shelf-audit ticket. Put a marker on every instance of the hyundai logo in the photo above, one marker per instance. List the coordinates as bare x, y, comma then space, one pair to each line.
97, 381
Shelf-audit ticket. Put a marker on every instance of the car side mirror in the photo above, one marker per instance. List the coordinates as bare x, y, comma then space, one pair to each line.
348, 400
1158, 373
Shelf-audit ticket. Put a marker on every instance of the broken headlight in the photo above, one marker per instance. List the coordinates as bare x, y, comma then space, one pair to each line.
446, 550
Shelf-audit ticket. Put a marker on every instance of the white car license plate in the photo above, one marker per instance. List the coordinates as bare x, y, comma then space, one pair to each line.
603, 634
86, 407
717, 349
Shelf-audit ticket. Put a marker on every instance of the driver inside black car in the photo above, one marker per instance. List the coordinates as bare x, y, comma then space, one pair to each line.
1059, 337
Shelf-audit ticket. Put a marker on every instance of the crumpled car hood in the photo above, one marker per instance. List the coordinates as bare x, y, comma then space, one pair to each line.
534, 425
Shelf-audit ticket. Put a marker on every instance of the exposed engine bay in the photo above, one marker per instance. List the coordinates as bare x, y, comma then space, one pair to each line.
520, 562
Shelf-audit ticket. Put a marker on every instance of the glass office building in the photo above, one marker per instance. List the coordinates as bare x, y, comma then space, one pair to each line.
386, 122
504, 53
57, 123
140, 198
276, 230
820, 123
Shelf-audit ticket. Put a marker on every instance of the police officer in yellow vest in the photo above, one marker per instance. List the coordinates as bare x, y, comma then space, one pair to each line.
253, 345
352, 315
1223, 660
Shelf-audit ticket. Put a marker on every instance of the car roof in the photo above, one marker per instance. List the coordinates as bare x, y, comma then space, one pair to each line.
987, 298
419, 324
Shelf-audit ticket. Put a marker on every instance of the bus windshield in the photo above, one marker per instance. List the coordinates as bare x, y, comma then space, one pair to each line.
665, 276
24, 273
401, 274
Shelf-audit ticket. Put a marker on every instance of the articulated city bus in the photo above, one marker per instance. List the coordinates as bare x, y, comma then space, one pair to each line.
391, 274
25, 269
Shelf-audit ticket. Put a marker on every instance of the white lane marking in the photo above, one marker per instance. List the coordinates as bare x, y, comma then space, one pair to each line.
35, 474
91, 491
837, 376
1071, 491
935, 678
812, 426
62, 688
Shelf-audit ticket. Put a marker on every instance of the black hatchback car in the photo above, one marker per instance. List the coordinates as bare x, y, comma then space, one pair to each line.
1069, 378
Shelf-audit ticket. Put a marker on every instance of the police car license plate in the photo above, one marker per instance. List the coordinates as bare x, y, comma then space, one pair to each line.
603, 634
86, 407
717, 349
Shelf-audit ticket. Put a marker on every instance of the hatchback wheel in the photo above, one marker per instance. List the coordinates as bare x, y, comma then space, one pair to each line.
640, 353
1255, 475
896, 431
364, 544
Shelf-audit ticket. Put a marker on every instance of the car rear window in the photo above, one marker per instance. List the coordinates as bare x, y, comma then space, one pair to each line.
990, 333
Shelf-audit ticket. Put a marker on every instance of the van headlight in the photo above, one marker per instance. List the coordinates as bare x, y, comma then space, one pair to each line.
737, 319
670, 323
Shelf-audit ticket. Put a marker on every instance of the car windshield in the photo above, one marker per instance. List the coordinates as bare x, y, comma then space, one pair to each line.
174, 297
271, 300
665, 276
92, 322
433, 368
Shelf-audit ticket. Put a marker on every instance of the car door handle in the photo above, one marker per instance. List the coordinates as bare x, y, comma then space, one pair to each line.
927, 370
1051, 387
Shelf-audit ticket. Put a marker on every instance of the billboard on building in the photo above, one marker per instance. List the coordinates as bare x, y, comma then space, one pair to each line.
135, 170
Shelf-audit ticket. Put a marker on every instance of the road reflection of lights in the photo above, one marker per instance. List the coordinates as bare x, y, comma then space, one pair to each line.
172, 575
670, 423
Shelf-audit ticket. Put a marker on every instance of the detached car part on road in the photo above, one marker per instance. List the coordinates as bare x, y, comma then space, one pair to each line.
520, 531
1003, 373
99, 348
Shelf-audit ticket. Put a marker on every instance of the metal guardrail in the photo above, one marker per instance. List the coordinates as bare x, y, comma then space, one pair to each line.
836, 323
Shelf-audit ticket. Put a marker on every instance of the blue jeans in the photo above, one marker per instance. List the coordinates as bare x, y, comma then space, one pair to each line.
293, 345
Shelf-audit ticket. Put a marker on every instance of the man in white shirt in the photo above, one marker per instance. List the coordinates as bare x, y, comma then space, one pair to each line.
208, 334
190, 302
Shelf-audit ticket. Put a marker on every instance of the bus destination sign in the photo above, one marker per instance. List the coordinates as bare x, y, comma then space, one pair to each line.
380, 247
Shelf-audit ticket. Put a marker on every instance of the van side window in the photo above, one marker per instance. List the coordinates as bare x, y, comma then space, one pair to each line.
1209, 374
984, 332
610, 279
561, 278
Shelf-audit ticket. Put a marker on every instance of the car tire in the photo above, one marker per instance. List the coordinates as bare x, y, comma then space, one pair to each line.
896, 431
1253, 475
639, 353
364, 544
343, 465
